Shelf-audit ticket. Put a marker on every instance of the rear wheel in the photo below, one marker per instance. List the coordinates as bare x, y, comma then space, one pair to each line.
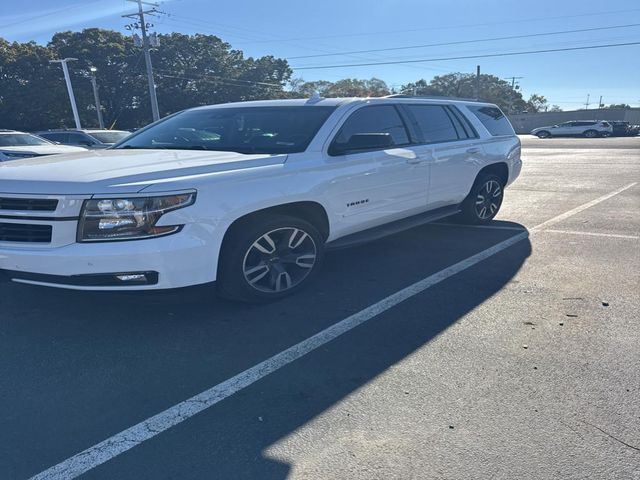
590, 134
268, 258
543, 134
484, 201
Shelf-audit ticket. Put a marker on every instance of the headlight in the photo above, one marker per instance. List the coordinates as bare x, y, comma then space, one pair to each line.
129, 218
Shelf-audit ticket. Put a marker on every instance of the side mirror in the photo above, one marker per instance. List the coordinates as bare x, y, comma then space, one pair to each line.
362, 142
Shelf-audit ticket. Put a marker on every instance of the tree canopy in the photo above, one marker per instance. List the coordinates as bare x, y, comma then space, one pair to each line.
348, 87
189, 70
492, 89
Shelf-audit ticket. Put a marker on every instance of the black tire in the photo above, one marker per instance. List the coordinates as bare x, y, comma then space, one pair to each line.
543, 134
590, 134
249, 272
488, 189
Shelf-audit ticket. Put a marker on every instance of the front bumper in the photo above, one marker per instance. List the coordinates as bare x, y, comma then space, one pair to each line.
173, 261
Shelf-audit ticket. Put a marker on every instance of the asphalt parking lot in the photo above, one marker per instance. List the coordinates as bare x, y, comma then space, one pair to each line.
511, 351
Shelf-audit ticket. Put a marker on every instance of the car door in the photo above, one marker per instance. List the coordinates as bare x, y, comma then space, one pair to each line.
566, 128
452, 148
373, 186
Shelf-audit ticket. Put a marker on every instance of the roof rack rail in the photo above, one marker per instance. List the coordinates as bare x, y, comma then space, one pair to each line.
433, 97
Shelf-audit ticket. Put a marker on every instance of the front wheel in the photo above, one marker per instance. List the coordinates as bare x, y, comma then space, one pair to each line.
543, 134
268, 258
484, 201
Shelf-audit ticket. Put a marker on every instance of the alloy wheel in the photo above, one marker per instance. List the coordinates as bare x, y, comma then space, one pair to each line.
279, 260
488, 199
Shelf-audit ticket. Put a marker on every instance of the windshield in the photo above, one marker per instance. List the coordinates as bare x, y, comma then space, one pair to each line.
20, 139
269, 130
109, 137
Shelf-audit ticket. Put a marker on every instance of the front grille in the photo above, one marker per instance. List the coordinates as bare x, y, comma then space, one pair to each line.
28, 233
29, 204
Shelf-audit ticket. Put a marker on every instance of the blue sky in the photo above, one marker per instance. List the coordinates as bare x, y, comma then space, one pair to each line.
294, 28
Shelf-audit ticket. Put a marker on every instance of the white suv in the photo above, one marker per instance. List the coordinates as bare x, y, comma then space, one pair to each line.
577, 128
250, 194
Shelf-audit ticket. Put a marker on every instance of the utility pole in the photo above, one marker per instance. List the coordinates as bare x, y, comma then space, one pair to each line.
96, 97
147, 56
586, 105
477, 89
513, 91
600, 105
67, 80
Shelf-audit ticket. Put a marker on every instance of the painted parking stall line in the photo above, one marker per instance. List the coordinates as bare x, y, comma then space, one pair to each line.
149, 428
593, 234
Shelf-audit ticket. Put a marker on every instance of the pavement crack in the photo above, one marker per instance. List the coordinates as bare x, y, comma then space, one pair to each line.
612, 436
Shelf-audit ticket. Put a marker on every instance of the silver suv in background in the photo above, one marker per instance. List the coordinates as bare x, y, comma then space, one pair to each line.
575, 128
88, 138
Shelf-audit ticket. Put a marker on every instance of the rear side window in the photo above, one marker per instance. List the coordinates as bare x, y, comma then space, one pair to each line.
56, 137
434, 122
493, 119
79, 139
376, 119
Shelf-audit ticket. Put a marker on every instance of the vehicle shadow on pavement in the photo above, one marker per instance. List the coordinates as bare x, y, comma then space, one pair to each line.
81, 366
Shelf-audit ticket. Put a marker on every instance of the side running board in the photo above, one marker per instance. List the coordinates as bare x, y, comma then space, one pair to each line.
392, 228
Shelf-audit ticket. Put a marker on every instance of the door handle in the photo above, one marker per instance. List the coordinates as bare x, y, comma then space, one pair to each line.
473, 150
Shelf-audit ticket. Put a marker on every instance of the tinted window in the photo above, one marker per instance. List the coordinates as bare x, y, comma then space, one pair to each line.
378, 119
269, 130
56, 137
79, 139
493, 119
468, 129
20, 139
434, 122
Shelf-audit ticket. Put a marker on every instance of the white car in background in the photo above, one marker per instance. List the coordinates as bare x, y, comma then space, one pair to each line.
15, 145
251, 194
576, 128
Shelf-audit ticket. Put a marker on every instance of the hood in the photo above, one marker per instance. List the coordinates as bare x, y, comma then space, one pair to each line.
118, 171
42, 149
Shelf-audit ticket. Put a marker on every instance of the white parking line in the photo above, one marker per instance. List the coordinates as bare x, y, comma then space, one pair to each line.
149, 428
581, 208
594, 234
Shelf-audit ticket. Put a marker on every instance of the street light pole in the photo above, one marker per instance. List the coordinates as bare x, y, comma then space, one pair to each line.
67, 79
96, 97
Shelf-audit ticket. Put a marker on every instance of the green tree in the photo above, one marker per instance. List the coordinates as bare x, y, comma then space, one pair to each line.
348, 87
619, 105
462, 85
555, 108
190, 70
537, 103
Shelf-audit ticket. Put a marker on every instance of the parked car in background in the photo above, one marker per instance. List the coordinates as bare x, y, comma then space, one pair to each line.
86, 138
15, 145
576, 128
624, 129
250, 194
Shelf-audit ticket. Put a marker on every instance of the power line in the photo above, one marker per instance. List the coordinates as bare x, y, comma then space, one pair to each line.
47, 14
460, 42
205, 27
217, 77
465, 57
453, 27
